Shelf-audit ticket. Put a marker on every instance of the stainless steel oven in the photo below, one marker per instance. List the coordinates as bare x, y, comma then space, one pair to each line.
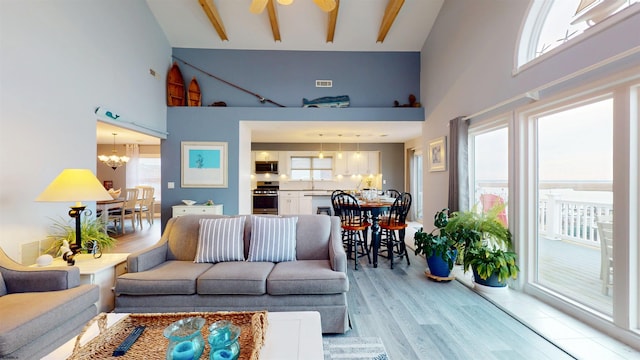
265, 198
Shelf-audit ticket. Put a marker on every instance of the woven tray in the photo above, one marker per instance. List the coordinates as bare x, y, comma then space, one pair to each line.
153, 345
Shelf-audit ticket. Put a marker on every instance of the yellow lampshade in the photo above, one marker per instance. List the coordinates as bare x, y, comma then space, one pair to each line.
74, 185
285, 2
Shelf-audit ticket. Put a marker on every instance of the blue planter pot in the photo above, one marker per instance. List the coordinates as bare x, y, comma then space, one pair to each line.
439, 267
490, 281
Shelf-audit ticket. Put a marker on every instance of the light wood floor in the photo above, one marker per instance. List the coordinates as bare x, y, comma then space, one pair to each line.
415, 317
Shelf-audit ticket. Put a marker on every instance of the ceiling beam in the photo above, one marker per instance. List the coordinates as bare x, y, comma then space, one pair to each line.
392, 10
212, 13
273, 20
333, 19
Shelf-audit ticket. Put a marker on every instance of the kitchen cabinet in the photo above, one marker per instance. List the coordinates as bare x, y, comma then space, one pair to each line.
371, 164
288, 203
305, 204
266, 155
362, 163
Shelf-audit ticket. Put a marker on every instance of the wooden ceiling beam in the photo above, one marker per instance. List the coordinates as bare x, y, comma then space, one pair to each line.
392, 10
273, 20
209, 8
333, 19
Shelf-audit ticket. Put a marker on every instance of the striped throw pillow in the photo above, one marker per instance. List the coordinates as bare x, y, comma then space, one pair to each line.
220, 240
273, 239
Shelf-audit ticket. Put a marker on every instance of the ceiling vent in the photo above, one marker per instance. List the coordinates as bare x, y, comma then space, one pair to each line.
324, 83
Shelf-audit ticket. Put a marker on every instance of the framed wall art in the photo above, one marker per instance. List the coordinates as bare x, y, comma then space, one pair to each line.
437, 160
204, 164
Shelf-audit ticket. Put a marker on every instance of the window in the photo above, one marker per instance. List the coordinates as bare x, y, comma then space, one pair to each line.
489, 166
552, 23
149, 173
311, 168
416, 183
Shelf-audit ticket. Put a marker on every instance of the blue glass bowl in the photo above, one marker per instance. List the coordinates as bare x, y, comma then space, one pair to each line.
223, 340
185, 339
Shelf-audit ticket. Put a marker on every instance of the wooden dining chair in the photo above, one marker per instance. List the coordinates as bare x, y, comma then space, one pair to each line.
353, 224
145, 205
128, 210
391, 245
334, 204
393, 193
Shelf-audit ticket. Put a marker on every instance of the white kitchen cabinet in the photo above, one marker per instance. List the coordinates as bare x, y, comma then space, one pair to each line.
262, 155
284, 163
362, 163
180, 210
288, 202
305, 204
370, 164
340, 166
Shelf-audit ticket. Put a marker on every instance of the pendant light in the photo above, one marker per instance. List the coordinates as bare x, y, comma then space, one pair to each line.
114, 161
358, 146
321, 155
340, 146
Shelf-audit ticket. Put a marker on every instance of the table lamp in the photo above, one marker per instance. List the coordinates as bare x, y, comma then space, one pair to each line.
75, 185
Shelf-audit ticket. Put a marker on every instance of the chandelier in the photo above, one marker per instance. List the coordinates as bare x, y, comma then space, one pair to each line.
113, 161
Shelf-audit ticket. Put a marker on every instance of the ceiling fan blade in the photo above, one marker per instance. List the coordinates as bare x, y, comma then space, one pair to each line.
326, 5
257, 6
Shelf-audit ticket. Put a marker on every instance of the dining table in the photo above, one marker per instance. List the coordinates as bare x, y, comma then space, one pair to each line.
114, 204
375, 208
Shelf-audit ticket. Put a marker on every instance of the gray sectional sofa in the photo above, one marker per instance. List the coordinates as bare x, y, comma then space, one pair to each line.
41, 309
165, 278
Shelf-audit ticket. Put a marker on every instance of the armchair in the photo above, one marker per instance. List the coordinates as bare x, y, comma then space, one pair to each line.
41, 308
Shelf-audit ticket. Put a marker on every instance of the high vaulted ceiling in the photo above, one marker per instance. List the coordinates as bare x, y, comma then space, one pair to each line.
302, 26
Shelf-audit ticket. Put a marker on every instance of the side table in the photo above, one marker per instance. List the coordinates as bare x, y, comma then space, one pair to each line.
102, 271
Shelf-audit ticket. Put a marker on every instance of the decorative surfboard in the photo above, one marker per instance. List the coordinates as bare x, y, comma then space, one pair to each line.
175, 87
194, 97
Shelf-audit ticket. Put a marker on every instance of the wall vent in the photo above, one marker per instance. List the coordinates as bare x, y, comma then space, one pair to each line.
324, 83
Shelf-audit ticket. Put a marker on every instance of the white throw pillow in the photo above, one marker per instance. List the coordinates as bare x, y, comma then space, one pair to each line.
220, 240
273, 239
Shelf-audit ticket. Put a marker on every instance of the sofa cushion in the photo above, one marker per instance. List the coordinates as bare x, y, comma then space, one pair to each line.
220, 240
170, 277
28, 316
237, 278
273, 239
305, 277
313, 233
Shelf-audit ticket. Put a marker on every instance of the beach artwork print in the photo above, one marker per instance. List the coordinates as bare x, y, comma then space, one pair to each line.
204, 164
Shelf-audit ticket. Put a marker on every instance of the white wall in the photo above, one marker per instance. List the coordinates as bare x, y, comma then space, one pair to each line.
467, 64
59, 60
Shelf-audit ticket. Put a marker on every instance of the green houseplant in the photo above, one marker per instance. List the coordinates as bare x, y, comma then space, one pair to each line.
91, 229
485, 245
439, 249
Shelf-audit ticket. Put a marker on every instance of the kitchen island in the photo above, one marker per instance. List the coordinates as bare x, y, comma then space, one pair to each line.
303, 201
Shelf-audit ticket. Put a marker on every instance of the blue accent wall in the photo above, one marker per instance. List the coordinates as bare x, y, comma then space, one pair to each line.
372, 80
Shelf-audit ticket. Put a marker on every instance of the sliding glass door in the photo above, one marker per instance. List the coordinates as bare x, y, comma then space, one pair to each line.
575, 203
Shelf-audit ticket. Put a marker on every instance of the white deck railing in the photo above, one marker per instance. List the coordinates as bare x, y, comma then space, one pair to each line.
562, 218
570, 219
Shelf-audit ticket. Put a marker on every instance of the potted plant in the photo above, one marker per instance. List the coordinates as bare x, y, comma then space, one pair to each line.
485, 245
91, 229
437, 246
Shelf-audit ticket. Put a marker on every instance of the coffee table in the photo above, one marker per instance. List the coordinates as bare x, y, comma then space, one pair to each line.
290, 336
